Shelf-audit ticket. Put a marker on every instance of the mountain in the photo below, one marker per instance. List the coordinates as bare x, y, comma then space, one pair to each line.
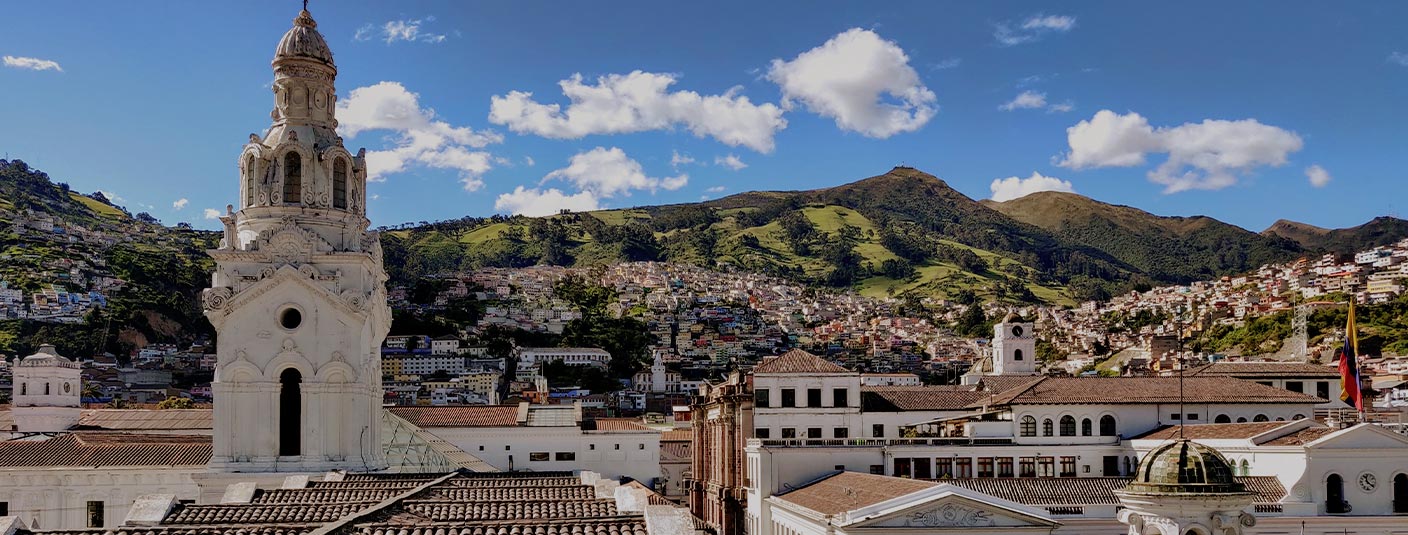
1167, 249
1379, 231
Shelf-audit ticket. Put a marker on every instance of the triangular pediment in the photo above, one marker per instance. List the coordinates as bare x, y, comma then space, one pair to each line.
352, 303
948, 506
1364, 436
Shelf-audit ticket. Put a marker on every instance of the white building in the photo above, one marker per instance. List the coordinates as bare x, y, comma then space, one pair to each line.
46, 393
571, 356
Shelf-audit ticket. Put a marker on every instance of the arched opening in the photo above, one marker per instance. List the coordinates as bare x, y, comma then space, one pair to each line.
1047, 429
1107, 426
1028, 426
1086, 427
24, 389
290, 413
1068, 426
1016, 354
1241, 419
1334, 495
339, 183
1400, 493
1222, 419
249, 178
1260, 418
293, 178
1246, 468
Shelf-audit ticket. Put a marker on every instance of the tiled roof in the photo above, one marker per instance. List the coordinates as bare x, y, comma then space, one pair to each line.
323, 496
468, 416
262, 514
797, 361
441, 511
616, 425
675, 451
1212, 431
848, 491
582, 492
101, 449
916, 398
1088, 490
997, 384
1140, 390
677, 434
186, 530
1300, 438
1266, 370
630, 525
147, 419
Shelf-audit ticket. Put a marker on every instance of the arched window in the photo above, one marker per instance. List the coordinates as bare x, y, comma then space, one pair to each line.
1107, 426
1016, 354
290, 413
46, 389
339, 183
1246, 468
24, 389
1298, 417
249, 179
1241, 419
1046, 427
293, 178
1085, 427
1400, 493
1334, 495
1068, 426
1222, 419
1028, 426
1260, 418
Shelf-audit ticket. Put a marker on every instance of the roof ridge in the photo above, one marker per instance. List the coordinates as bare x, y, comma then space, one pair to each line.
333, 527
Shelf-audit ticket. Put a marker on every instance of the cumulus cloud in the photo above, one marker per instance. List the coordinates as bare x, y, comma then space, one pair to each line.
419, 137
536, 202
1006, 189
1012, 33
859, 79
1318, 176
1400, 58
730, 161
211, 213
638, 102
409, 30
609, 172
1209, 155
677, 159
180, 204
33, 64
1024, 101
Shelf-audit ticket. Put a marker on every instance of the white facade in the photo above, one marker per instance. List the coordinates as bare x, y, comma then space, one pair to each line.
572, 356
428, 364
1014, 348
46, 393
59, 497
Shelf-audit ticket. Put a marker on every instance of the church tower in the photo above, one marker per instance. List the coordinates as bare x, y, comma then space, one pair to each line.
298, 297
47, 390
1014, 347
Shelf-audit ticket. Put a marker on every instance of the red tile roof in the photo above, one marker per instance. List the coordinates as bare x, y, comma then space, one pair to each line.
1301, 438
916, 398
617, 425
147, 419
1212, 431
94, 449
677, 434
848, 491
1140, 390
468, 416
797, 361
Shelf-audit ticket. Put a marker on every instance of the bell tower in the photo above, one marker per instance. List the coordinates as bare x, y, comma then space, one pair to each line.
1014, 347
298, 296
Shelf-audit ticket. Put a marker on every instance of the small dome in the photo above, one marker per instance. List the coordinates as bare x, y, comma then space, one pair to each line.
46, 355
1185, 467
304, 41
1012, 317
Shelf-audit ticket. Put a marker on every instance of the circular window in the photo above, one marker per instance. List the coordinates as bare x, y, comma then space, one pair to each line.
290, 318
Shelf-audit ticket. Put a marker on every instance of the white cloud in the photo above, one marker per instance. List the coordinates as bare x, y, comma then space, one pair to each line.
1208, 155
1400, 58
420, 139
33, 64
529, 161
1006, 189
1318, 176
859, 79
1025, 100
1061, 107
409, 30
677, 159
112, 197
730, 161
180, 204
536, 202
1009, 33
716, 189
211, 213
638, 102
949, 63
607, 173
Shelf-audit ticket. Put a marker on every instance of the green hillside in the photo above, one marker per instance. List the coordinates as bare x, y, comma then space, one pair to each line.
1379, 231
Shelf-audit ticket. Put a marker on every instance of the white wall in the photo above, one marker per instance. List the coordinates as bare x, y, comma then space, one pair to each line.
53, 498
612, 455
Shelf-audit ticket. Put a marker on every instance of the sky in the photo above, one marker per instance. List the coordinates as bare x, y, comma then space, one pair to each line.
1244, 111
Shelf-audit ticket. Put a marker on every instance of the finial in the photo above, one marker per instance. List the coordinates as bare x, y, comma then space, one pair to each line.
305, 18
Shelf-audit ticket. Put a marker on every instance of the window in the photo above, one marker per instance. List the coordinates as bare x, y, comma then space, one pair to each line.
1334, 495
640, 446
841, 432
538, 456
1107, 426
1068, 467
1295, 386
1045, 467
95, 514
789, 397
902, 467
481, 447
1400, 494
1028, 426
1322, 389
565, 456
293, 177
24, 389
813, 397
339, 183
1016, 354
923, 468
762, 432
1004, 467
877, 430
1027, 467
1192, 416
1246, 468
963, 467
760, 398
878, 469
290, 318
508, 447
789, 432
1046, 427
46, 388
1175, 417
290, 413
943, 468
813, 432
1261, 418
839, 397
249, 180
4, 508
1085, 427
985, 467
1241, 419
617, 446
1068, 426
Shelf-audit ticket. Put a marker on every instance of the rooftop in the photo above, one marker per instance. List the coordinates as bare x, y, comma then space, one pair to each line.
797, 361
103, 449
1143, 390
465, 416
1266, 370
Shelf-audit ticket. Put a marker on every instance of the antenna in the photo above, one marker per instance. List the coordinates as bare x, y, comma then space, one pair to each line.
1178, 361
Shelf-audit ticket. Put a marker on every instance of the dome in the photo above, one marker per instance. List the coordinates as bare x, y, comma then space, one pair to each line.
304, 41
46, 356
1184, 467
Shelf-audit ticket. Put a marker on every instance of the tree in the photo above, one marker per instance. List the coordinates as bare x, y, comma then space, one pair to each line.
174, 402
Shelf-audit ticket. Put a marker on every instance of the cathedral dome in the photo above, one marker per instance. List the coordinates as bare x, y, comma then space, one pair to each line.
1184, 467
46, 356
304, 41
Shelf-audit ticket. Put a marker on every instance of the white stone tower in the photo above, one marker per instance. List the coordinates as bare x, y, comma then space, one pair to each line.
1014, 347
47, 392
298, 297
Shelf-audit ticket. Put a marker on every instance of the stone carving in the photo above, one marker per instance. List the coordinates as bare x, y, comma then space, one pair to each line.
951, 515
308, 271
217, 298
355, 299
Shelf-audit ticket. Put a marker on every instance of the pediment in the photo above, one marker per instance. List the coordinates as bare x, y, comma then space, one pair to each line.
950, 507
1361, 437
224, 301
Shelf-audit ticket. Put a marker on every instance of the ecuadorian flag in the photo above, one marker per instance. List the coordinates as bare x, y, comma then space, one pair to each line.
1349, 365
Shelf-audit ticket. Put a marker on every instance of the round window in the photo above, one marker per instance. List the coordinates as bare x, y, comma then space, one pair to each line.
290, 318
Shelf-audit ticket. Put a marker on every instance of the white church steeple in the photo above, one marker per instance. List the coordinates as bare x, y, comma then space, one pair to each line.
1014, 347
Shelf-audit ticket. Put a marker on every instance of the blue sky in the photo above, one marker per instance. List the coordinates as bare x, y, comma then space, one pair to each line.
1247, 111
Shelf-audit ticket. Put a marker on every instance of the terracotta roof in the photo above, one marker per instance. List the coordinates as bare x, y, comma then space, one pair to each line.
797, 361
1088, 490
581, 492
675, 451
677, 434
1266, 369
1212, 431
323, 496
261, 514
242, 529
146, 419
654, 498
916, 398
1301, 438
616, 425
1140, 390
467, 416
630, 525
848, 491
441, 511
100, 449
996, 384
